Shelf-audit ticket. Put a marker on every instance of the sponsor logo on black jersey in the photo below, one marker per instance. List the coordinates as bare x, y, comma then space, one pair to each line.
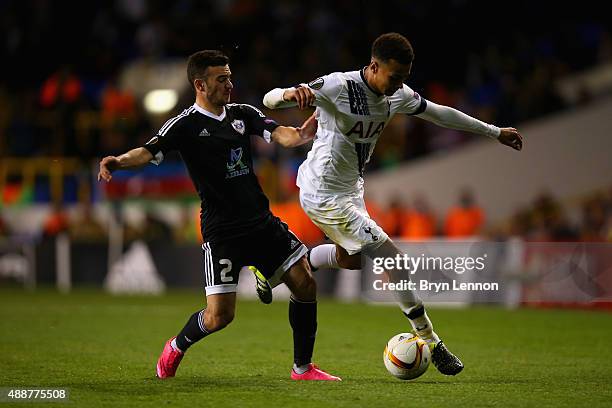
235, 159
316, 84
235, 166
238, 126
204, 132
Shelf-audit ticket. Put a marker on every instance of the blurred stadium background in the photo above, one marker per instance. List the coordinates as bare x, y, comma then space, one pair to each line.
75, 89
82, 80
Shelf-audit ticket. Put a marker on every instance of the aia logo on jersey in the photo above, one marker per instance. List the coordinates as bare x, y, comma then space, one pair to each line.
235, 166
238, 126
362, 132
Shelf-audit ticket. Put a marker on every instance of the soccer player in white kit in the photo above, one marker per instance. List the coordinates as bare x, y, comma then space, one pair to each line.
352, 109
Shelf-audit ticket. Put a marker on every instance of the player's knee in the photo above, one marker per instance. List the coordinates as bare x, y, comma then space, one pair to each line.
306, 289
347, 261
217, 321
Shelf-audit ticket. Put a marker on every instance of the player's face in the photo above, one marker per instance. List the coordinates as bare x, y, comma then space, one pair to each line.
218, 85
390, 76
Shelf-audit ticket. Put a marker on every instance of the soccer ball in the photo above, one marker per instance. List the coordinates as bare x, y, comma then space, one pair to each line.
406, 356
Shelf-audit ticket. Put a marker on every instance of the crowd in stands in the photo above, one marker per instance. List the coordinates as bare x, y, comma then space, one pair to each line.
546, 219
60, 96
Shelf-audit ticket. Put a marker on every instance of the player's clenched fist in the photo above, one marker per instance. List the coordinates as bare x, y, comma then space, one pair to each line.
511, 137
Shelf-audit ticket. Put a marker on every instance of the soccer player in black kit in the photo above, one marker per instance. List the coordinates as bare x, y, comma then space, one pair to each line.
212, 137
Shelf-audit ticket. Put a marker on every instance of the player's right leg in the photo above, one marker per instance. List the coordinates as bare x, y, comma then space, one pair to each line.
219, 312
221, 271
333, 256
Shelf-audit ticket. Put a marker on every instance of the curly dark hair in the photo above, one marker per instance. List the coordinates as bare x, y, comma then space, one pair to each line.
198, 62
393, 46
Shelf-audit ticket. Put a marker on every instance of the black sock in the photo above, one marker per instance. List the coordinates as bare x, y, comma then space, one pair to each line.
415, 312
193, 331
303, 320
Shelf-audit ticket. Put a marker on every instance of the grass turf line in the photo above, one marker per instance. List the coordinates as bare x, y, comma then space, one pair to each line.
104, 349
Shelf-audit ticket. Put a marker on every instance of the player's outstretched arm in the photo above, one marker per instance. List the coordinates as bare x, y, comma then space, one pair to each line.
301, 96
451, 118
291, 137
134, 159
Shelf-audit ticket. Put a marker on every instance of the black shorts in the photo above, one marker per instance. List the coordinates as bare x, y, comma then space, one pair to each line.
272, 249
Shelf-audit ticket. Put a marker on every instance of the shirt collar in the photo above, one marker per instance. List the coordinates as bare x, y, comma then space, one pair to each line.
210, 114
363, 78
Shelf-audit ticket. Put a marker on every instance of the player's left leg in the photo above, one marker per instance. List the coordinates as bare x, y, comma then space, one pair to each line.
279, 257
303, 320
335, 256
412, 306
345, 221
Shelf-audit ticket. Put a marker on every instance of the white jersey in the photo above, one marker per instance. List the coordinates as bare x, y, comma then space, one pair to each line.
351, 119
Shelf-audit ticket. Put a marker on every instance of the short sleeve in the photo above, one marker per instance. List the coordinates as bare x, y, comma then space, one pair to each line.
326, 89
410, 102
257, 123
166, 140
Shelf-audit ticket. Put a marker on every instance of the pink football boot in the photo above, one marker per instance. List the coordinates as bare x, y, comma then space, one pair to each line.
168, 361
314, 373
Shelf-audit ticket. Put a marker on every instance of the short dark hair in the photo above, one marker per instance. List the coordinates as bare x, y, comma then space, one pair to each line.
198, 62
393, 46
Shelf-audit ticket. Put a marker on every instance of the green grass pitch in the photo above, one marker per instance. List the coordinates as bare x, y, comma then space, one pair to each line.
104, 349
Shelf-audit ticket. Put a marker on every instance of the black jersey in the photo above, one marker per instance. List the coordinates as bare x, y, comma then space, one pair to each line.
217, 153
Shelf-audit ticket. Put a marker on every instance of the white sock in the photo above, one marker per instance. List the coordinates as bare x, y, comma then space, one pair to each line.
424, 329
174, 346
421, 324
324, 256
301, 369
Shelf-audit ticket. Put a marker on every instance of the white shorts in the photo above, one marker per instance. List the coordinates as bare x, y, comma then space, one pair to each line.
344, 219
